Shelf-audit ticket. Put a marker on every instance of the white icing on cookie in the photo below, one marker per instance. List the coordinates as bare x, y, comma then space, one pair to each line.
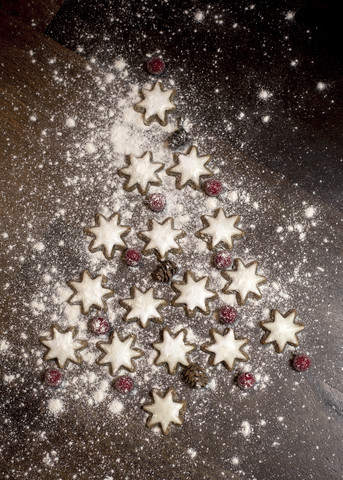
189, 168
156, 104
226, 348
62, 346
108, 234
173, 349
164, 410
140, 172
143, 306
89, 292
162, 237
244, 280
282, 330
220, 228
194, 294
118, 353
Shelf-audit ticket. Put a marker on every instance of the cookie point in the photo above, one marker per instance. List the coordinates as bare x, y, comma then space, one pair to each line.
53, 377
132, 257
301, 362
155, 65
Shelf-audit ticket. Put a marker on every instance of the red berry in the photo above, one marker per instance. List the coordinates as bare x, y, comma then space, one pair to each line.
228, 315
124, 384
155, 65
156, 202
301, 362
99, 325
132, 257
246, 381
222, 259
53, 377
213, 187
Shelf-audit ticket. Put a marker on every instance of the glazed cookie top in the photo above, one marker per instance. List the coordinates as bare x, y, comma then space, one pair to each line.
143, 306
162, 237
141, 172
282, 330
90, 292
107, 235
244, 280
220, 229
173, 349
190, 168
156, 104
165, 410
119, 353
63, 346
225, 348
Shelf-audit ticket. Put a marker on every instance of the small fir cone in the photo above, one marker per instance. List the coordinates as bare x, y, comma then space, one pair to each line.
195, 376
165, 271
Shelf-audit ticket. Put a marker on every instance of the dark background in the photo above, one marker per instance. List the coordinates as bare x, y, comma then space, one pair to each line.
303, 139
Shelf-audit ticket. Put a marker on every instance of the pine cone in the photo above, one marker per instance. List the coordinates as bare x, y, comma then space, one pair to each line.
165, 271
195, 376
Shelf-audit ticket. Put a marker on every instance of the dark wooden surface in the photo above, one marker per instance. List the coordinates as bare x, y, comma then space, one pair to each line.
306, 444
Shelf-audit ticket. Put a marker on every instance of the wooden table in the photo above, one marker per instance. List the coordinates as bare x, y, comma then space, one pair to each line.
294, 422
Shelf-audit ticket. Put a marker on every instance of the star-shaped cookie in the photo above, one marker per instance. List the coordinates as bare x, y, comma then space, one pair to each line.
281, 330
162, 238
90, 292
143, 307
62, 346
189, 168
107, 235
165, 410
193, 294
141, 172
119, 353
156, 104
225, 348
220, 229
173, 349
243, 280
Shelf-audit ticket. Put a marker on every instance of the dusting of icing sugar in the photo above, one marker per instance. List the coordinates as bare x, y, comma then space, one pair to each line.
70, 122
55, 406
310, 212
116, 407
191, 452
199, 16
246, 429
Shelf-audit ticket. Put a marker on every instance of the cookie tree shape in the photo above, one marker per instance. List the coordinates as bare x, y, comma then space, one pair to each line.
225, 348
119, 353
62, 346
162, 238
156, 104
220, 229
173, 349
243, 280
193, 294
143, 307
165, 410
190, 168
107, 235
282, 330
90, 292
141, 172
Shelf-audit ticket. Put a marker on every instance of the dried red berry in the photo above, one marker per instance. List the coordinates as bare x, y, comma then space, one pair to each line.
301, 363
99, 325
222, 259
124, 384
155, 65
132, 257
246, 381
228, 315
156, 202
53, 377
213, 187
